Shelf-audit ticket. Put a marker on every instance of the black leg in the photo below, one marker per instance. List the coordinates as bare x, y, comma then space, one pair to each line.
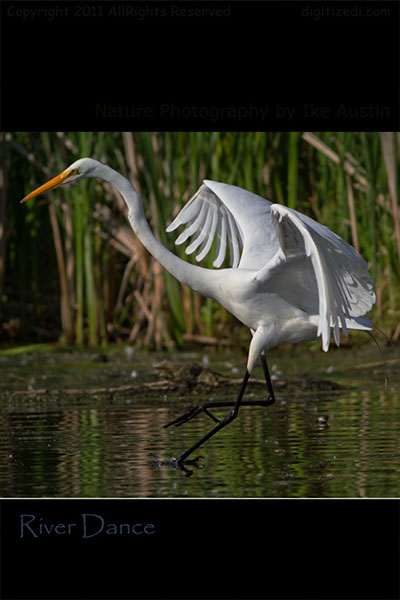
228, 419
271, 396
193, 412
196, 410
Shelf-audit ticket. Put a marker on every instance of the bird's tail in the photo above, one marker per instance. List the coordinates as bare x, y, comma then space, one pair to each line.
359, 323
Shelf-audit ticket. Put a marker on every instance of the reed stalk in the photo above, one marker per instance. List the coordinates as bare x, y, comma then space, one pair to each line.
110, 289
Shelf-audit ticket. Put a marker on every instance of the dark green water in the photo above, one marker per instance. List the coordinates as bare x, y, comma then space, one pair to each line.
88, 444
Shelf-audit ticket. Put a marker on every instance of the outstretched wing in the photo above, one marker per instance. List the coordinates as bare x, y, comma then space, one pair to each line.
326, 266
238, 219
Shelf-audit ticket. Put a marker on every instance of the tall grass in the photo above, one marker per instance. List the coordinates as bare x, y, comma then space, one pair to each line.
75, 248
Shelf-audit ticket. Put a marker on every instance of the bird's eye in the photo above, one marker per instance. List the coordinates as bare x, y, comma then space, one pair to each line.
73, 172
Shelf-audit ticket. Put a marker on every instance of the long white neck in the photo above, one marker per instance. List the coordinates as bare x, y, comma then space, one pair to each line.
198, 278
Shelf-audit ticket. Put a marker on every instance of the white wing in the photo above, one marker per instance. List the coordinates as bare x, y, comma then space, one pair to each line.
319, 267
234, 215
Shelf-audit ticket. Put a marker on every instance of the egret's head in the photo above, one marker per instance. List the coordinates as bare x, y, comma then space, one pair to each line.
80, 169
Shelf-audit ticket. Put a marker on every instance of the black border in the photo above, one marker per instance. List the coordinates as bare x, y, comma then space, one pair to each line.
287, 65
55, 71
233, 549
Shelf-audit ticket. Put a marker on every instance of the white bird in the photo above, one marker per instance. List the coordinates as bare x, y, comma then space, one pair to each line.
290, 280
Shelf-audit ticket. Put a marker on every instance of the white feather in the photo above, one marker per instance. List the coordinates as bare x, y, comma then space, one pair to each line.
292, 257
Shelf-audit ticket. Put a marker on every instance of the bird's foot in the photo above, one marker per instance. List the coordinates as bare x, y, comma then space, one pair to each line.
183, 464
190, 414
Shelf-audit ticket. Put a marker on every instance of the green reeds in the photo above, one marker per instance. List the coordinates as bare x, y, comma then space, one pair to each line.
75, 246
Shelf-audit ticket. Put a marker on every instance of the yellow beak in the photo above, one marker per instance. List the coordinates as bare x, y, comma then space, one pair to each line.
53, 183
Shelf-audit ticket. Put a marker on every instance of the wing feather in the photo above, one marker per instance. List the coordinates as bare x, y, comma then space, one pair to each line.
210, 233
193, 225
344, 286
221, 238
234, 241
201, 231
237, 219
188, 212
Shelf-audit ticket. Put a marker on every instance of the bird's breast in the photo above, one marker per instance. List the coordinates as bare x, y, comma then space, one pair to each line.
253, 305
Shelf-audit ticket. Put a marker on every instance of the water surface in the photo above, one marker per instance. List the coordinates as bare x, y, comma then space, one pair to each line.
61, 435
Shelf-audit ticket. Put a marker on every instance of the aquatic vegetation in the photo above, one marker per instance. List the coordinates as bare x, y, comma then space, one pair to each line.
80, 275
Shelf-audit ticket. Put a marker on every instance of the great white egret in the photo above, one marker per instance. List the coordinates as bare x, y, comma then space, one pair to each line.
291, 279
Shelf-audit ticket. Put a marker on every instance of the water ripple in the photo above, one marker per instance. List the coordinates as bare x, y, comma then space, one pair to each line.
285, 451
